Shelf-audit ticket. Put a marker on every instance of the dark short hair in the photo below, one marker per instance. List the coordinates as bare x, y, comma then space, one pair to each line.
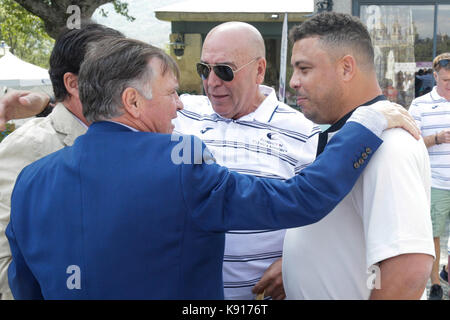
339, 30
69, 50
111, 66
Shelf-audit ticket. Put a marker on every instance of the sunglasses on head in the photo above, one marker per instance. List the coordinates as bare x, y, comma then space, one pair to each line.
223, 71
443, 63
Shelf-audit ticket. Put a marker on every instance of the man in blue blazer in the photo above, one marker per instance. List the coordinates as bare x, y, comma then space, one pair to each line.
138, 213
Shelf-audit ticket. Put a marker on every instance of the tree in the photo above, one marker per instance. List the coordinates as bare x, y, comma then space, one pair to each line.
54, 13
24, 33
28, 26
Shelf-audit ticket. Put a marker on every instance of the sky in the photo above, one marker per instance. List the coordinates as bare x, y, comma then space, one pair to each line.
146, 27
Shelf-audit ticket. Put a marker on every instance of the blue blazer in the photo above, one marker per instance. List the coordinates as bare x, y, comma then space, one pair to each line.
115, 217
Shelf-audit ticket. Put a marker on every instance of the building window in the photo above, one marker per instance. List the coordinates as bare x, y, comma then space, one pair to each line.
404, 36
443, 28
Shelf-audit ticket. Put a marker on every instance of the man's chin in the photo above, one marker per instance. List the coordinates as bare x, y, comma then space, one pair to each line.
221, 110
306, 112
312, 116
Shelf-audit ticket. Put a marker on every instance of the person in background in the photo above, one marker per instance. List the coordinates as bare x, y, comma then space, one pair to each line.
432, 115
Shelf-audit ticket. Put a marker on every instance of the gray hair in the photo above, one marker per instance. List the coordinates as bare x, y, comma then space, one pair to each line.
340, 31
111, 66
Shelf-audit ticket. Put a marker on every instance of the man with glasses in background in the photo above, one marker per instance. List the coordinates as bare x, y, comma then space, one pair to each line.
432, 115
249, 131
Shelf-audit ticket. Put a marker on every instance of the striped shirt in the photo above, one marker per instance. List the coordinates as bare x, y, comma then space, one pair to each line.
274, 141
432, 114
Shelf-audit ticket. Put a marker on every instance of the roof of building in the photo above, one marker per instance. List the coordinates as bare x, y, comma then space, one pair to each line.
238, 6
245, 10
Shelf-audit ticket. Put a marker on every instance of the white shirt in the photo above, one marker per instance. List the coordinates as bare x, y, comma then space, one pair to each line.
274, 141
432, 115
386, 214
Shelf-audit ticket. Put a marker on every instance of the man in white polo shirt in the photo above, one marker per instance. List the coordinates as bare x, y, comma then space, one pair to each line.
432, 114
377, 242
249, 131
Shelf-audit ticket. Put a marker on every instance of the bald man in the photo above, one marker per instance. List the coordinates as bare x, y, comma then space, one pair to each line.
249, 131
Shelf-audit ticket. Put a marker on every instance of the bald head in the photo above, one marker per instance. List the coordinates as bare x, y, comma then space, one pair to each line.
245, 38
239, 46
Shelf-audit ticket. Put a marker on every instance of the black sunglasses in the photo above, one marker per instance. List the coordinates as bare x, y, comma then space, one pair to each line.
443, 63
223, 71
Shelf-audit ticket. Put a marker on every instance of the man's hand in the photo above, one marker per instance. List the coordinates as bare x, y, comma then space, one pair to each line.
271, 283
397, 117
443, 136
437, 138
18, 104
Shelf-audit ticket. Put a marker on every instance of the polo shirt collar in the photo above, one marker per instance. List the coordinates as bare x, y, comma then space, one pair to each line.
323, 136
435, 95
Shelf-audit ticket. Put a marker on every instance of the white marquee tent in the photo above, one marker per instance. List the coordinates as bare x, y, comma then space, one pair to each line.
18, 74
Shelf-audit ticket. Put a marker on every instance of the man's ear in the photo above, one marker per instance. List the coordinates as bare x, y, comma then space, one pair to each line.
71, 83
347, 65
261, 68
130, 101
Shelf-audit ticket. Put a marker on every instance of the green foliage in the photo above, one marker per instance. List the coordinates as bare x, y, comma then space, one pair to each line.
9, 128
119, 7
423, 48
25, 34
122, 8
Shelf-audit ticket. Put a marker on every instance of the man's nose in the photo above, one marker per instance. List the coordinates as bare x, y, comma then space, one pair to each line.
213, 80
180, 105
294, 83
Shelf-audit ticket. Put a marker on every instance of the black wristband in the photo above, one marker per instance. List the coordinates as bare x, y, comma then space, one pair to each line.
435, 139
48, 109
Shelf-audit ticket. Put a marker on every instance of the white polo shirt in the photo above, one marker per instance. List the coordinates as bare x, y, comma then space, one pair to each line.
432, 115
386, 214
274, 141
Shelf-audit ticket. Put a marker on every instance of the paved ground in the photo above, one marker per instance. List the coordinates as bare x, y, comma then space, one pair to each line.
443, 261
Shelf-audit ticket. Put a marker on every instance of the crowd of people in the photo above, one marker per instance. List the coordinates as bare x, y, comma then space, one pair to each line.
128, 191
423, 82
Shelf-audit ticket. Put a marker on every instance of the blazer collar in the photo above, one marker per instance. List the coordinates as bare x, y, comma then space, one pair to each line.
107, 126
66, 123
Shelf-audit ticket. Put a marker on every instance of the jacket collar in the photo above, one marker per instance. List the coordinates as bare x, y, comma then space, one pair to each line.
67, 124
108, 126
